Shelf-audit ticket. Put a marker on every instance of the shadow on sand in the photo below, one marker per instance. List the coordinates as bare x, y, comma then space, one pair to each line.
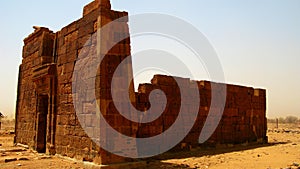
157, 161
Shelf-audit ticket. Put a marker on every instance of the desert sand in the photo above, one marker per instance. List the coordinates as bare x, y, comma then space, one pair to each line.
282, 151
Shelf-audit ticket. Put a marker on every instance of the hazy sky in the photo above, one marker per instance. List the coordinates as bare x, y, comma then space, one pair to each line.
258, 41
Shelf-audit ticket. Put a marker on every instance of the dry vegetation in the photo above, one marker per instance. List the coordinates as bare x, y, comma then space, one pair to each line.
282, 151
8, 124
286, 120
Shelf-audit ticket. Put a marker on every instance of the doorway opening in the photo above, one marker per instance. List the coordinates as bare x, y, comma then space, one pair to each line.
42, 123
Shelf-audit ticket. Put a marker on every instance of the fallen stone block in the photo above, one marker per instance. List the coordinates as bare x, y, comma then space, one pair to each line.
10, 160
23, 159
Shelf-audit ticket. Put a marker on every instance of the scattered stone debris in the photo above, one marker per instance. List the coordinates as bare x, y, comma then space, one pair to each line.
23, 159
22, 145
10, 160
287, 131
43, 157
295, 165
12, 150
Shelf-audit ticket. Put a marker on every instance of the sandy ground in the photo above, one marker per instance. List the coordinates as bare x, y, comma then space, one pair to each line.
282, 151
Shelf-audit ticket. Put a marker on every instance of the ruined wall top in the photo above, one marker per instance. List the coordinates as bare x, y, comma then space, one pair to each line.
105, 4
37, 32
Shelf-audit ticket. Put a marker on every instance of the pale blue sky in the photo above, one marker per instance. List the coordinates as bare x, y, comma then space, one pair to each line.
257, 41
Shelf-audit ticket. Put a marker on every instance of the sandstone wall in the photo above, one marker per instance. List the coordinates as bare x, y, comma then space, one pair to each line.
243, 119
75, 42
47, 70
47, 121
37, 52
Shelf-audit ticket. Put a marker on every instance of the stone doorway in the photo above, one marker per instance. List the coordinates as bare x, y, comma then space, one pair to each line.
41, 132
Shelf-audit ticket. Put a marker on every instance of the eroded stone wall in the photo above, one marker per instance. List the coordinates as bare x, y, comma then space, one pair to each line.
243, 119
52, 77
75, 42
45, 115
37, 52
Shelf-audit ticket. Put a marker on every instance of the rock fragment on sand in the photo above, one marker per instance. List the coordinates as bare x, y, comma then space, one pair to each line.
23, 159
296, 164
10, 160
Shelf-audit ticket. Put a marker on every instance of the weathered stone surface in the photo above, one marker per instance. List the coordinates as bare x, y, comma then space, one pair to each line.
45, 116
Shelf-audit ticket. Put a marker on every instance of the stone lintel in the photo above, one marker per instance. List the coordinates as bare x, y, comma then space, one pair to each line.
44, 70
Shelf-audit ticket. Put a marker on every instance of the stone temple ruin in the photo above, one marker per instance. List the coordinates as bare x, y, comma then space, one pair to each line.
46, 119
